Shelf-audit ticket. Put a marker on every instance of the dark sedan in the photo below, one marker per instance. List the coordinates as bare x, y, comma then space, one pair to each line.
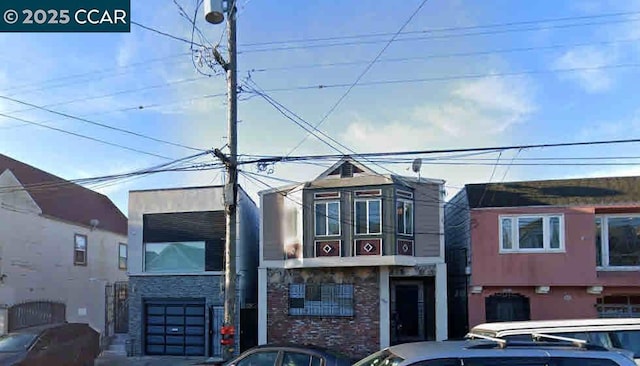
290, 355
69, 344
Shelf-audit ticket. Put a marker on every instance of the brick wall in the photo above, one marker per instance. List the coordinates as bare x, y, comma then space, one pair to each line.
355, 336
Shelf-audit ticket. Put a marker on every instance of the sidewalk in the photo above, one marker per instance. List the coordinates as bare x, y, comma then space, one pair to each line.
112, 360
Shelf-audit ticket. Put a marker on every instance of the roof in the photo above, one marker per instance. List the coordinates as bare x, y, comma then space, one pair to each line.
65, 200
562, 192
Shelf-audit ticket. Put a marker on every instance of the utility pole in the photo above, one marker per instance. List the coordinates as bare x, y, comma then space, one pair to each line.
231, 186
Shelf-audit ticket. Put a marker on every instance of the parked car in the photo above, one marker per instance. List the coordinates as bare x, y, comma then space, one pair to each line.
497, 352
290, 355
611, 333
68, 344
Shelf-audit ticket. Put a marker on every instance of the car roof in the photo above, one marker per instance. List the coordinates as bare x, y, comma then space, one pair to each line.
37, 329
302, 347
419, 351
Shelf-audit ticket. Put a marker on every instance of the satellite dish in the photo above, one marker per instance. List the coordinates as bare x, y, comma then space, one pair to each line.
417, 164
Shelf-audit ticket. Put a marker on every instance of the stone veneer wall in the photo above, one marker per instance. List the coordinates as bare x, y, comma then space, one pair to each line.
355, 336
168, 287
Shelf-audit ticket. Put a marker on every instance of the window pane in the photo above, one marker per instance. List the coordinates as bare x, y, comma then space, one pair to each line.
400, 216
260, 359
507, 235
361, 217
374, 216
598, 241
81, 242
296, 359
123, 251
174, 257
554, 235
321, 219
334, 218
530, 235
624, 241
409, 216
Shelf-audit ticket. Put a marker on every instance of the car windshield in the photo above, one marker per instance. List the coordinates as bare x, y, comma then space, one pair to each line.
380, 358
630, 340
15, 342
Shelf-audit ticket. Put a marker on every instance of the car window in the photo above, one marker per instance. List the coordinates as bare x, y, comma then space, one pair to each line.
16, 342
299, 359
380, 358
316, 361
266, 358
581, 361
629, 340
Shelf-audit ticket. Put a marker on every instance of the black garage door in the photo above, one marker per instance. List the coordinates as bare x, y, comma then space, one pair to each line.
175, 328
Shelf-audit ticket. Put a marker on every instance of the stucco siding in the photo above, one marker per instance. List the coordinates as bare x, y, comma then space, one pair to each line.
273, 236
428, 222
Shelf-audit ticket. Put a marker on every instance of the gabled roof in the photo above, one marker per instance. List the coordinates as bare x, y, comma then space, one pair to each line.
64, 200
561, 192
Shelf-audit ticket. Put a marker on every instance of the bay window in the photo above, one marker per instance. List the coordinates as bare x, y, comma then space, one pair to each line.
618, 241
327, 218
540, 233
368, 215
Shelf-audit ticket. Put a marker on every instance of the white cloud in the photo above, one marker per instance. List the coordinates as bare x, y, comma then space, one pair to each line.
586, 59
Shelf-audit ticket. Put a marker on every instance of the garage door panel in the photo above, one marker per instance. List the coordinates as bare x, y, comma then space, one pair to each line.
157, 340
155, 320
175, 310
195, 320
174, 350
191, 330
175, 329
194, 350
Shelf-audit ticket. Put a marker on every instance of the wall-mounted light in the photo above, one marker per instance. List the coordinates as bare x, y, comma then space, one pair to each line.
476, 289
594, 290
543, 289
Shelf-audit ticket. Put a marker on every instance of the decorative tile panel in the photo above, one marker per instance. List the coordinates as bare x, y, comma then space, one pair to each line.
327, 248
404, 247
368, 246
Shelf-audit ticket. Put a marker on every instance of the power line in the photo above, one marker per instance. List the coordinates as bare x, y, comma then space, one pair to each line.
99, 124
445, 55
447, 36
362, 74
447, 29
165, 34
84, 136
438, 151
456, 77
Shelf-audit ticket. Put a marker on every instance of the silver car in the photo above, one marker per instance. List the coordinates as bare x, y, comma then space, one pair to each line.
496, 353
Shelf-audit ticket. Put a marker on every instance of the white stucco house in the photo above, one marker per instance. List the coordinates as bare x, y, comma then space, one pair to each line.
59, 242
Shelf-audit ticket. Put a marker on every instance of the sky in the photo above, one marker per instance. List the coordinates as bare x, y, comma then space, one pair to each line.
462, 73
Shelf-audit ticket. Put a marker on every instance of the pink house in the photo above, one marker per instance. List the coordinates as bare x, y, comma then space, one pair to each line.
537, 250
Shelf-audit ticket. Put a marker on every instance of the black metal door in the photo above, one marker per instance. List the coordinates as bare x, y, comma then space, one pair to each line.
216, 319
248, 329
175, 328
121, 307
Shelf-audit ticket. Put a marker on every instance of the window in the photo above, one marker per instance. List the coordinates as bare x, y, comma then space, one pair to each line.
321, 299
122, 255
531, 233
80, 250
266, 358
184, 257
404, 216
327, 218
300, 359
368, 216
618, 241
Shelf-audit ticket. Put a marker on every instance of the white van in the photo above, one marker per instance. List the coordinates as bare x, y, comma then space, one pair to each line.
621, 333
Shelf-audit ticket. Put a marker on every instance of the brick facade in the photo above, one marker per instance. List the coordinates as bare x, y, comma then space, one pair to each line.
355, 336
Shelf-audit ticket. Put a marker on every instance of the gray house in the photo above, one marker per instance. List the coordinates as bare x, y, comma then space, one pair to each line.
353, 260
176, 270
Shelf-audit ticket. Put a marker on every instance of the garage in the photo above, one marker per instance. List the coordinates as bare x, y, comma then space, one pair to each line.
175, 328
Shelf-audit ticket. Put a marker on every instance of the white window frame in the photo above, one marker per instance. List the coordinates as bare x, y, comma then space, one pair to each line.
355, 222
404, 216
326, 218
604, 236
546, 234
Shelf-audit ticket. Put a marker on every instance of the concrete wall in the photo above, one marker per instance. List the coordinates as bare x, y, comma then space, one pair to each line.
36, 256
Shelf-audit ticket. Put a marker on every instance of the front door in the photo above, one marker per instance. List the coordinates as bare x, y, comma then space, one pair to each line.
121, 307
407, 311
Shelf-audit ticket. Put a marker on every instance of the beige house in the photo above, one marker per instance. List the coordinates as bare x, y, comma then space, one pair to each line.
58, 242
353, 260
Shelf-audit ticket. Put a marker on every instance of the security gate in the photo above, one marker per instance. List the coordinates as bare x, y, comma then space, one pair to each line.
121, 307
175, 328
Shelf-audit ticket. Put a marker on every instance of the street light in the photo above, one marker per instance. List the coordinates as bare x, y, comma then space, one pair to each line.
213, 11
